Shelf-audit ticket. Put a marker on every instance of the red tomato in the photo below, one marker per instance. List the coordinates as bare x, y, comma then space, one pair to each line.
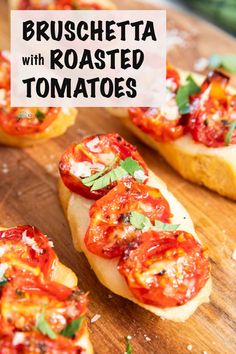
59, 5
24, 121
110, 230
4, 72
23, 299
163, 124
165, 269
26, 245
36, 343
213, 110
92, 155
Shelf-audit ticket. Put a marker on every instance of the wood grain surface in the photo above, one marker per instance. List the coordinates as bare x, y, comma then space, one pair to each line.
28, 195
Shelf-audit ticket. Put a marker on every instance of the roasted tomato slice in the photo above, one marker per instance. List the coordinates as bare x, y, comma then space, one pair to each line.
4, 71
110, 230
26, 248
213, 111
93, 155
25, 121
163, 124
60, 5
36, 343
166, 269
23, 300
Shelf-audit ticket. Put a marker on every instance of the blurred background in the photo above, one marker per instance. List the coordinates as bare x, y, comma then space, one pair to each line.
220, 12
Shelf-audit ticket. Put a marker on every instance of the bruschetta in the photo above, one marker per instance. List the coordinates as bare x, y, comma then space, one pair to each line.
41, 307
21, 127
138, 239
62, 5
196, 134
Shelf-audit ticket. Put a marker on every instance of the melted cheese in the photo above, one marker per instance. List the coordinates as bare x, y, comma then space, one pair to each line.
77, 211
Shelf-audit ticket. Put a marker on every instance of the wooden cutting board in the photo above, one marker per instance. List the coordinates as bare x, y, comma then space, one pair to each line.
28, 195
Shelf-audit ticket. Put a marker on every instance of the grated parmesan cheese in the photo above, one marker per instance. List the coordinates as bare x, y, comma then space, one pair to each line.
30, 242
189, 347
95, 318
234, 255
18, 338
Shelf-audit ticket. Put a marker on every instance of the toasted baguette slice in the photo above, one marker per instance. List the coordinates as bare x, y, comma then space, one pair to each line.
214, 168
76, 209
65, 119
65, 276
105, 4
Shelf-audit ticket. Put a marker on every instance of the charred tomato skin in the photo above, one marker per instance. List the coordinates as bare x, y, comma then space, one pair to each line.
212, 112
43, 257
153, 122
110, 230
165, 269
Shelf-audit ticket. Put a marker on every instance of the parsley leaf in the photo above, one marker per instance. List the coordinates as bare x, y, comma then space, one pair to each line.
3, 280
101, 180
88, 181
128, 345
72, 327
228, 137
166, 227
44, 327
183, 94
39, 115
131, 166
139, 221
113, 175
227, 62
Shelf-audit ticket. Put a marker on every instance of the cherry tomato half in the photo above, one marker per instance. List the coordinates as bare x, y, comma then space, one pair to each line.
165, 269
213, 111
163, 124
93, 155
110, 230
24, 246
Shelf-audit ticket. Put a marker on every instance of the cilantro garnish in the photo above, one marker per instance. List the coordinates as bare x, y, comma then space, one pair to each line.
39, 115
72, 327
227, 62
183, 94
228, 137
101, 179
128, 345
142, 222
3, 280
44, 327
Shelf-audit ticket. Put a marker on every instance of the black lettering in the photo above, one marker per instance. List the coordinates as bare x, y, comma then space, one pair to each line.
55, 56
28, 83
40, 90
131, 84
28, 30
149, 31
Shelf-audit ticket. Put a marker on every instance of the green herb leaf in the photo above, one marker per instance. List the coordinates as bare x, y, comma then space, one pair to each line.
166, 227
88, 181
227, 62
131, 166
40, 115
183, 94
3, 280
128, 345
72, 327
139, 221
44, 327
104, 181
228, 137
